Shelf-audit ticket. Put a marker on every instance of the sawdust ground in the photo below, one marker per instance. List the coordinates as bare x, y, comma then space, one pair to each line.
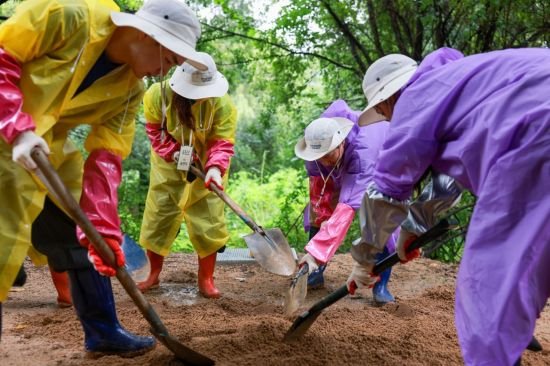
246, 326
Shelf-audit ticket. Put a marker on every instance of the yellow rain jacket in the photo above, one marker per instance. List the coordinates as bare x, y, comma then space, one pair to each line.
56, 42
171, 199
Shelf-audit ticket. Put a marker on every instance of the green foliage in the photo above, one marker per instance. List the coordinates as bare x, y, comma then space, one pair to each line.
277, 202
135, 183
451, 247
285, 68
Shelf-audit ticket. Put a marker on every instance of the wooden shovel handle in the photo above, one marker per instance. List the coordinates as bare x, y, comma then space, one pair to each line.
228, 201
54, 182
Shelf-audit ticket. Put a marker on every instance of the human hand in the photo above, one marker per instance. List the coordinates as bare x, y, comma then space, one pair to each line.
22, 147
361, 276
175, 156
213, 175
405, 239
311, 263
99, 264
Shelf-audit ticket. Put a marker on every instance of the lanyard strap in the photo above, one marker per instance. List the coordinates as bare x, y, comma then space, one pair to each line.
325, 180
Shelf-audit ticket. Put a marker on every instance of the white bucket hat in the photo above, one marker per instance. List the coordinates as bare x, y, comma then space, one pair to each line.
386, 76
321, 137
170, 22
191, 83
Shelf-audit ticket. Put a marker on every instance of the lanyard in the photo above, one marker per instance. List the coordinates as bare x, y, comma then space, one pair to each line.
325, 180
210, 121
190, 137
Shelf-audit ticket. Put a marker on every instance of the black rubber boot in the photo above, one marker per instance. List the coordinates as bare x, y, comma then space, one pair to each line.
534, 345
21, 277
94, 303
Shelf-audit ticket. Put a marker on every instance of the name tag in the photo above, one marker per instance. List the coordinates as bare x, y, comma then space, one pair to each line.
185, 157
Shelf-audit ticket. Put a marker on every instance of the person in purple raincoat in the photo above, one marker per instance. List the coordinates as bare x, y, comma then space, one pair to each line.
485, 121
340, 158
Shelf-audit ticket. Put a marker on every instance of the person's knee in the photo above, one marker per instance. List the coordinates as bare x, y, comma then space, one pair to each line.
54, 235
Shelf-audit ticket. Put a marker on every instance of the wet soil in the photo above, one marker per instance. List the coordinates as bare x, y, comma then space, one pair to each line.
246, 326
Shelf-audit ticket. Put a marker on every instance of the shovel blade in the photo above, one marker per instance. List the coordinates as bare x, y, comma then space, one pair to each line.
137, 263
297, 292
185, 354
301, 325
272, 252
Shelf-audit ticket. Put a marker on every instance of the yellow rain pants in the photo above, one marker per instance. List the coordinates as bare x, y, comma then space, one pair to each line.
57, 42
171, 199
24, 196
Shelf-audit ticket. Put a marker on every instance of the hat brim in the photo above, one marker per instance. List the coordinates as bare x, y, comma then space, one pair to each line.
369, 116
389, 89
166, 39
182, 86
302, 151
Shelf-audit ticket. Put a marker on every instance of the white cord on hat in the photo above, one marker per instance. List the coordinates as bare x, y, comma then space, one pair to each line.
163, 99
211, 120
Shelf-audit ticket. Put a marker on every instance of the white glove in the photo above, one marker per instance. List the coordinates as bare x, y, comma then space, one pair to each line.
311, 262
22, 147
405, 238
361, 276
213, 175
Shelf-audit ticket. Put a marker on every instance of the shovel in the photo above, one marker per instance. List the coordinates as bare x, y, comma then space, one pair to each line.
306, 319
297, 291
57, 188
269, 247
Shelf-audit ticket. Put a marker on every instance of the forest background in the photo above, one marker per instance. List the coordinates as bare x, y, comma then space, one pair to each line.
286, 61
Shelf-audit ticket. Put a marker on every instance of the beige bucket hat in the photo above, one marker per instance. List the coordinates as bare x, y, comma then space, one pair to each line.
321, 137
192, 83
386, 76
170, 22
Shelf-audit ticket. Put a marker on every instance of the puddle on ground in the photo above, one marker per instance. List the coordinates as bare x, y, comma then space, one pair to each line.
180, 294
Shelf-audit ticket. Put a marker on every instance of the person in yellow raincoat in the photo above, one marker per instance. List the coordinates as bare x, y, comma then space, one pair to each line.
62, 64
200, 118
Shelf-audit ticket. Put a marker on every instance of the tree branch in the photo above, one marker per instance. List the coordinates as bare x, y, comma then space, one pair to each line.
355, 45
374, 28
283, 47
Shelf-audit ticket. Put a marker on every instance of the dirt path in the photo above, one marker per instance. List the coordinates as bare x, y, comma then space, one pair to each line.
246, 326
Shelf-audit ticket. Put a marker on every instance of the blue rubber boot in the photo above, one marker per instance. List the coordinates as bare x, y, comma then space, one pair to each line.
94, 303
316, 280
380, 290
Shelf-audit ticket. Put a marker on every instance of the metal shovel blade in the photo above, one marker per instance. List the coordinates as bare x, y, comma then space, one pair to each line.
297, 292
182, 352
272, 251
137, 263
306, 319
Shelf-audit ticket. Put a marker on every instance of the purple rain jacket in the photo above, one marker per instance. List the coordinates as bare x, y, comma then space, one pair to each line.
485, 121
345, 187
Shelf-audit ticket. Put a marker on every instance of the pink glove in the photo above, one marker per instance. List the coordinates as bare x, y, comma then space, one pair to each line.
13, 120
219, 154
166, 148
331, 234
213, 176
99, 265
99, 199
